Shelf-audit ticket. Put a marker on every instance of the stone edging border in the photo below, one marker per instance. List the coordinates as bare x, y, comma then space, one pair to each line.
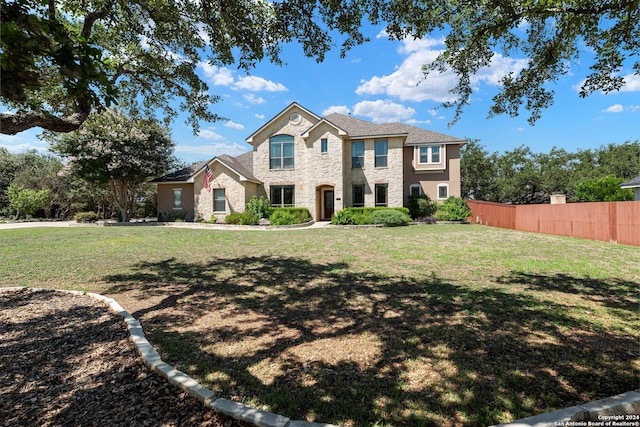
179, 379
599, 412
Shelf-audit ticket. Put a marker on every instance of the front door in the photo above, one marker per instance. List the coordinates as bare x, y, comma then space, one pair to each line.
328, 204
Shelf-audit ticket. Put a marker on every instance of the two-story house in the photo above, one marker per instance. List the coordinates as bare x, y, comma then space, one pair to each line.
322, 163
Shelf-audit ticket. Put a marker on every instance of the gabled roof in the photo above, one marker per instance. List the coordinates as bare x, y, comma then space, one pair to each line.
634, 183
280, 114
357, 128
241, 165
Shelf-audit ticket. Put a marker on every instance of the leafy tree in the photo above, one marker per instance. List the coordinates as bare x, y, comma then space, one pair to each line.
7, 173
477, 172
518, 178
60, 59
25, 201
605, 189
115, 150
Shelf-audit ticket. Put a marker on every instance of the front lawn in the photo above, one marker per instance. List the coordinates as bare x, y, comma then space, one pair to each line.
450, 325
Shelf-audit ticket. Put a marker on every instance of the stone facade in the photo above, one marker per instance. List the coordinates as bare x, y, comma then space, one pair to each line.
321, 172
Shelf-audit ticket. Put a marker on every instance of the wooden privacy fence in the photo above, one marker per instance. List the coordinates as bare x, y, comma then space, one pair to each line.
617, 222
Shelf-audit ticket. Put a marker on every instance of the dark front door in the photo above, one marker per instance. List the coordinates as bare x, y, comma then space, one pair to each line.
328, 204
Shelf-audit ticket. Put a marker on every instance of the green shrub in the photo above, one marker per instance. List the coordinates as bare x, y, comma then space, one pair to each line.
421, 206
343, 217
260, 206
242, 218
389, 217
289, 216
363, 215
86, 217
453, 209
170, 216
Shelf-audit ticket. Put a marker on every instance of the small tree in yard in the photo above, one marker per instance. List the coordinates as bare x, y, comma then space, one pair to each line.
115, 150
25, 201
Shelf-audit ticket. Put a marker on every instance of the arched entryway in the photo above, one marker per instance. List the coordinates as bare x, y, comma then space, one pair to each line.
325, 202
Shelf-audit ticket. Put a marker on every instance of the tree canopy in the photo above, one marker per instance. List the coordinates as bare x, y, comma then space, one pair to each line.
520, 176
113, 149
62, 59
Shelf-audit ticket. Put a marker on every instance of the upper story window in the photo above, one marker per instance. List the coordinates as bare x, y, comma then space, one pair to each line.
324, 145
281, 152
381, 148
429, 154
357, 154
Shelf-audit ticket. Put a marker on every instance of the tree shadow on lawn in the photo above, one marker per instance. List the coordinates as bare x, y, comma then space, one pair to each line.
319, 342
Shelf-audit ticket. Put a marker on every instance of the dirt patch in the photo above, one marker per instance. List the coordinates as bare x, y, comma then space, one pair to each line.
66, 360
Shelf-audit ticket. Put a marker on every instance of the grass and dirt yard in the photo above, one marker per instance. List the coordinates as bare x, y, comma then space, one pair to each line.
449, 325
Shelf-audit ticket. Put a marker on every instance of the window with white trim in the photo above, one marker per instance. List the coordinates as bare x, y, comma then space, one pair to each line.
282, 195
219, 200
443, 191
357, 154
324, 145
381, 194
428, 154
281, 152
381, 148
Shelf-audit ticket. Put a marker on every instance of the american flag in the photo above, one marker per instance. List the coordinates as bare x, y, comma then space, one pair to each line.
208, 175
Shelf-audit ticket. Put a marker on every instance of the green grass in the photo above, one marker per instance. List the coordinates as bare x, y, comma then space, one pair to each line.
456, 325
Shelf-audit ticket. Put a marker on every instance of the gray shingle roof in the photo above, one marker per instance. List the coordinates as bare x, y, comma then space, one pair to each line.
182, 175
242, 164
635, 182
357, 128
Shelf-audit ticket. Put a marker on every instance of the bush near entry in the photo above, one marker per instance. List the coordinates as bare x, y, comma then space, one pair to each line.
289, 216
363, 216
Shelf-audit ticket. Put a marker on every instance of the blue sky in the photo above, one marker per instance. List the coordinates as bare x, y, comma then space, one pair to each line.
381, 81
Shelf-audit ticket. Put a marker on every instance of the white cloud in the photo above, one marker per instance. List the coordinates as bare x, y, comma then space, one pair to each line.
407, 82
254, 99
631, 83
342, 109
634, 108
210, 134
383, 111
233, 125
255, 84
211, 150
218, 75
259, 116
415, 122
615, 108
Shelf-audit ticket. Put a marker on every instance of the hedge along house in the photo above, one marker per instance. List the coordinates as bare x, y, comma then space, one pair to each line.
322, 163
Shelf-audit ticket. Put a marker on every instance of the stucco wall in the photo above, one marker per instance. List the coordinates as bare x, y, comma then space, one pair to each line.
165, 201
429, 180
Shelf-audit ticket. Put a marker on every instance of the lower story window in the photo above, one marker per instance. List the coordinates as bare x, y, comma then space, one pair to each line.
282, 195
381, 194
358, 195
177, 198
219, 201
415, 190
443, 191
